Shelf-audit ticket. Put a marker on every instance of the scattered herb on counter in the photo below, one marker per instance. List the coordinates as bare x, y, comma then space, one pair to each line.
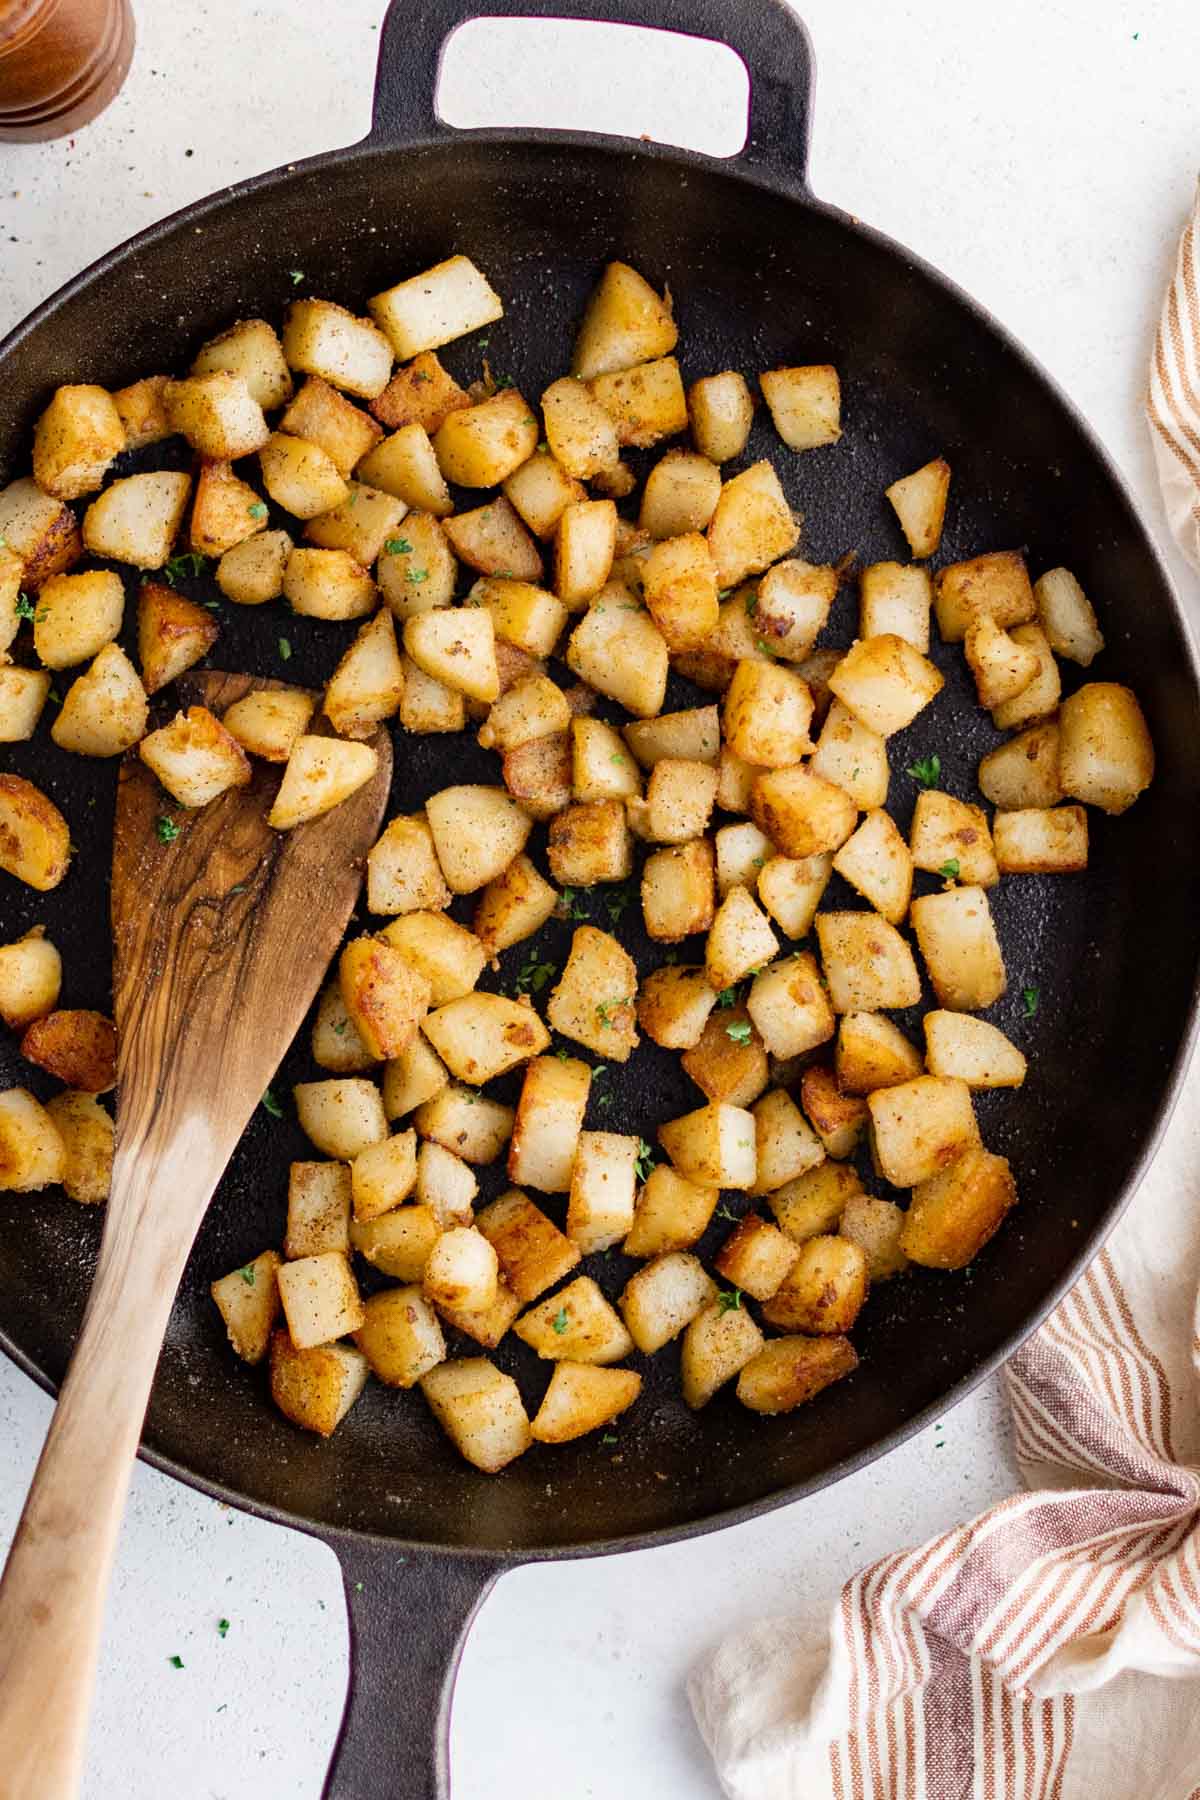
271, 1104
222, 1627
176, 1662
927, 771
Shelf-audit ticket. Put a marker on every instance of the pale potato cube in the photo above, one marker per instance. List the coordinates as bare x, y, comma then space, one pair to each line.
251, 573
755, 1257
195, 758
361, 524
173, 632
480, 1410
951, 838
962, 953
385, 996
875, 1226
322, 338
603, 1183
105, 709
971, 1050
1105, 754
680, 495
318, 1210
601, 767
679, 799
320, 1299
480, 446
11, 569
315, 1388
995, 586
417, 570
919, 1127
579, 432
300, 476
217, 414
885, 683
625, 323
734, 640
481, 1036
41, 531
664, 1296
1067, 617
422, 393
717, 1344
398, 1243
538, 775
368, 683
1002, 666
512, 907
412, 1078
526, 616
445, 1183
576, 1324
721, 412
735, 780
742, 852
400, 1336
549, 1118
35, 843
341, 1117
1042, 841
752, 526
680, 587
581, 1398
623, 655
30, 979
895, 600
248, 1301
853, 757
320, 774
435, 307
327, 584
671, 1214
813, 1204
785, 1146
872, 1052
646, 403
322, 416
955, 1212
383, 1175
488, 1325
457, 646
76, 615
23, 694
533, 1253
136, 520
477, 831
593, 1002
728, 1062
876, 861
919, 502
465, 1122
787, 1371
75, 440
823, 1292
803, 814
693, 735
463, 1270
336, 1045
532, 708
492, 539
405, 465
713, 1146
250, 349
541, 490
1024, 772
446, 954
868, 965
740, 940
838, 1119
87, 1135
584, 542
142, 412
791, 607
427, 706
805, 404
790, 889
674, 1005
1039, 696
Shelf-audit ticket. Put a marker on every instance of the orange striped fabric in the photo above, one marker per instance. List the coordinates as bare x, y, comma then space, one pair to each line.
1173, 397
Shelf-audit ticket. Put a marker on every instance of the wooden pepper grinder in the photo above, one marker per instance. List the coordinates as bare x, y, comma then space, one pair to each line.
61, 62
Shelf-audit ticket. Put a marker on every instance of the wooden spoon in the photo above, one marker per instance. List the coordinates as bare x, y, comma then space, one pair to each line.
221, 939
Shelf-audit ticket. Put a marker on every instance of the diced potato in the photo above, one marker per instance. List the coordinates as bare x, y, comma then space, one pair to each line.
576, 1324
919, 501
625, 323
42, 531
488, 1325
584, 541
713, 1146
548, 1122
340, 1117
320, 774
480, 446
398, 1243
75, 440
813, 1204
252, 572
680, 495
876, 861
383, 1175
368, 683
742, 852
1003, 667
456, 645
593, 1002
735, 781
790, 889
853, 757
955, 1212
601, 767
580, 1399
512, 907
248, 1301
77, 615
173, 632
787, 1371
680, 587
538, 776
270, 721
803, 814
791, 607
755, 1257
327, 584
30, 979
895, 600
734, 640
361, 524
250, 349
958, 941
467, 1123
785, 1146
195, 758
1067, 617
951, 837
105, 709
623, 655
728, 1062
412, 1078
838, 1119
422, 393
435, 307
417, 570
674, 1005
963, 1048
717, 1344
477, 831
481, 1036
885, 683
679, 800
1039, 696
32, 1153
868, 965
739, 941
320, 1299
87, 1136
768, 710
875, 1226
427, 705
35, 843
995, 586
872, 1052
589, 843
805, 404
400, 1336
318, 1211
76, 1046
480, 1410
301, 477
10, 596
322, 416
693, 735
671, 1214
579, 432
919, 1127
532, 708
1042, 841
225, 510
142, 412
405, 465
1106, 757
385, 996
527, 616
824, 1291
493, 540
1024, 772
646, 403
462, 1271
603, 1182
217, 414
446, 954
136, 520
533, 1253
752, 526
315, 1388
664, 1296
541, 490
322, 338
336, 1045
721, 411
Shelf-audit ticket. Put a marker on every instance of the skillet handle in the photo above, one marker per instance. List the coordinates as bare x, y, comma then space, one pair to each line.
409, 1618
768, 36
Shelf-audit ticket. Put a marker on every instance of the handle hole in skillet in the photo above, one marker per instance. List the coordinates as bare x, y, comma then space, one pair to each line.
576, 75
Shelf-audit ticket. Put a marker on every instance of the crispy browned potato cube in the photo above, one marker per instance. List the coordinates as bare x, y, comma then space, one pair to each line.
663, 1296
480, 446
405, 465
718, 1342
538, 775
217, 414
1105, 754
341, 1117
136, 520
1024, 772
301, 476
30, 979
457, 646
995, 586
787, 1371
427, 706
677, 891
492, 539
958, 941
646, 403
541, 490
693, 735
792, 605
549, 1119
1067, 617
383, 1175
971, 1050
532, 1251
740, 940
445, 1183
790, 889
399, 1242
76, 1045
593, 1002
488, 1325
603, 1183
919, 502
450, 957
32, 1153
422, 393
318, 1213
385, 996
674, 1005
579, 432
838, 1119
226, 510
576, 1324
952, 838
105, 709
755, 1257
35, 843
1039, 696
955, 1212
805, 404
315, 1388
513, 906
480, 1410
581, 1398
368, 683
823, 1292
590, 843
320, 1299
584, 542
477, 831
320, 774
77, 615
767, 714
713, 1146
42, 532
728, 1062
400, 1336
671, 1213
412, 1078
812, 1205
142, 411
87, 1134
173, 633
195, 758
875, 860
801, 812
680, 588
868, 965
248, 1301
919, 1127
789, 1006
895, 599
872, 1052
252, 572
481, 1036
75, 440
1003, 667
623, 655
735, 780
625, 323
1042, 841
885, 682
752, 526
601, 767
853, 757
327, 584
322, 416
679, 800
462, 1272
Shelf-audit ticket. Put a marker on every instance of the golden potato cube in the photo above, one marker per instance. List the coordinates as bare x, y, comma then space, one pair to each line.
480, 446
320, 774
721, 412
301, 477
645, 403
481, 1036
87, 1134
457, 646
512, 907
1002, 666
995, 586
226, 511
785, 1146
664, 1296
383, 1175
480, 1410
755, 1257
875, 1226
579, 432
679, 799
742, 851
435, 307
952, 838
677, 892
35, 843
340, 1117
872, 1052
541, 490
488, 1325
603, 1183
787, 1371
217, 414
735, 781
12, 610
791, 607
135, 520
853, 757
1105, 754
400, 1336
868, 965
1024, 772
318, 1210
368, 683
142, 411
918, 1127
446, 954
969, 1049
105, 709
410, 1079
533, 1253
538, 775
251, 573
838, 1119
492, 539
580, 1399
23, 694
427, 705
802, 813
1042, 841
601, 767
327, 584
674, 1005
623, 655
422, 393
528, 617
322, 338
250, 349
361, 524
593, 1002
885, 683
805, 404
576, 1324
30, 979
320, 1299
336, 1045
405, 465
718, 1342
590, 842
584, 541
919, 502
549, 1118
671, 1214
76, 615
740, 940
875, 860
75, 1045
248, 1301
42, 532
322, 416
895, 600
384, 994
532, 708
680, 495
680, 588
173, 632
315, 1388
195, 758
957, 939
812, 1204
1067, 617
713, 1146
752, 526
75, 440
790, 889
416, 569
767, 713
477, 830
955, 1212
1039, 696
625, 323
32, 1152
728, 1062
823, 1292
398, 1243
463, 1270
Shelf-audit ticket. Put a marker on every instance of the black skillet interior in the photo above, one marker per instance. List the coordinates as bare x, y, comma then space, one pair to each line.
759, 277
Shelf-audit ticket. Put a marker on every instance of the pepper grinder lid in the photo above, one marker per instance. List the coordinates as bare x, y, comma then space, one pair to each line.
61, 62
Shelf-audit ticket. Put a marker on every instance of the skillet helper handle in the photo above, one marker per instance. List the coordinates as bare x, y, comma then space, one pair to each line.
768, 36
409, 1618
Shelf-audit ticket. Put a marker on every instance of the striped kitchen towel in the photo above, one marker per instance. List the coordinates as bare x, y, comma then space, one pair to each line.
1049, 1650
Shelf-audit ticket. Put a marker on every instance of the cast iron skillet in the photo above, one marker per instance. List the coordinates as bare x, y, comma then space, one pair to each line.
763, 273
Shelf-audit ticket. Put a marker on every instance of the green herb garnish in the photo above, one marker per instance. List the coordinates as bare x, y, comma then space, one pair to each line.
559, 1321
187, 562
645, 1160
740, 1031
258, 510
727, 997
25, 607
535, 974
751, 604
950, 869
270, 1104
416, 576
729, 1300
166, 830
297, 276
610, 1437
1031, 996
927, 771
285, 650
397, 546
247, 1274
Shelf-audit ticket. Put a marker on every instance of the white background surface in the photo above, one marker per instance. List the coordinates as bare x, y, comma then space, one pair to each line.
1042, 153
